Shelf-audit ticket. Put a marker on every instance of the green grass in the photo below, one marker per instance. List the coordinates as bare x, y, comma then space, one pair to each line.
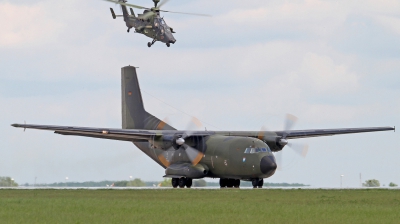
200, 206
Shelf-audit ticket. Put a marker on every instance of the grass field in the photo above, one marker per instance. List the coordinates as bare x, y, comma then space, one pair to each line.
200, 206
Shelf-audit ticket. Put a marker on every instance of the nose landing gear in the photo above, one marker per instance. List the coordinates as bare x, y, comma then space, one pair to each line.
257, 183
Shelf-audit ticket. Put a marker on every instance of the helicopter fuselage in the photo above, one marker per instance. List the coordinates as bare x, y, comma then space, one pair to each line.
154, 27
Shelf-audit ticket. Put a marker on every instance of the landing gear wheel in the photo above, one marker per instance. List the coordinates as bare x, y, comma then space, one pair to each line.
175, 182
149, 44
236, 183
182, 182
189, 182
230, 183
168, 44
260, 183
254, 182
222, 182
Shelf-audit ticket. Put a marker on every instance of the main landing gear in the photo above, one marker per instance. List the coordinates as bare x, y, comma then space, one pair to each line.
182, 182
168, 44
229, 183
128, 30
257, 183
149, 44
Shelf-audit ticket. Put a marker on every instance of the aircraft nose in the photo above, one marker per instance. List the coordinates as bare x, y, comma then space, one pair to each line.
267, 164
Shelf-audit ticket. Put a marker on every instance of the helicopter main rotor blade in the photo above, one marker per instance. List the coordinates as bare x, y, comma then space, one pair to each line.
126, 4
185, 13
162, 3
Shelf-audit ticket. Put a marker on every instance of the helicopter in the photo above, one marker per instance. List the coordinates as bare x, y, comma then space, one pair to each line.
150, 23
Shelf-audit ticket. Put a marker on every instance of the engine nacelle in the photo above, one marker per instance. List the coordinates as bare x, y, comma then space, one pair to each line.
187, 170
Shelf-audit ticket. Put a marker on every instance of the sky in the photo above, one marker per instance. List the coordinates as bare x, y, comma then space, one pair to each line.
333, 64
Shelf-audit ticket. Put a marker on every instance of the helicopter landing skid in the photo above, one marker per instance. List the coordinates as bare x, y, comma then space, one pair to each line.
150, 44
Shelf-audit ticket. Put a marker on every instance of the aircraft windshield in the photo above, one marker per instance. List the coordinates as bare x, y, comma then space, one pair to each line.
252, 150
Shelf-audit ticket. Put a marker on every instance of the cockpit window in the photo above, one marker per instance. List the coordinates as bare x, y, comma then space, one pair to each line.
257, 150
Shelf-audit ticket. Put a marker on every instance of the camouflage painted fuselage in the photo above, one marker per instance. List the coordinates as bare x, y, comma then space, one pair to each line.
224, 157
153, 27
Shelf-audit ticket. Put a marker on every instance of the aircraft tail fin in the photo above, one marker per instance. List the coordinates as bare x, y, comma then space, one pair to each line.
134, 116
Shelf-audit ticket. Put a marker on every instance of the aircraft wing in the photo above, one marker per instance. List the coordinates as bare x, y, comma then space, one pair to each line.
145, 135
293, 134
327, 132
105, 133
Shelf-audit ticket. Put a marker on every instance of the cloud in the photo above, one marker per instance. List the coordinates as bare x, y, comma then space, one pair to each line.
326, 77
23, 25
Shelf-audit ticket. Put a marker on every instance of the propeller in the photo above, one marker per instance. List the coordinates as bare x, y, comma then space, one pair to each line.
298, 148
192, 153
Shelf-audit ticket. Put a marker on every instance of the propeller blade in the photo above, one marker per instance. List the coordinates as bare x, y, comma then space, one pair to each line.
194, 155
278, 157
192, 126
290, 121
261, 133
185, 13
166, 156
300, 149
162, 124
126, 4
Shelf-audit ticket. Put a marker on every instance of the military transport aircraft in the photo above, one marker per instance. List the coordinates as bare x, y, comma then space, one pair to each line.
150, 23
229, 155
